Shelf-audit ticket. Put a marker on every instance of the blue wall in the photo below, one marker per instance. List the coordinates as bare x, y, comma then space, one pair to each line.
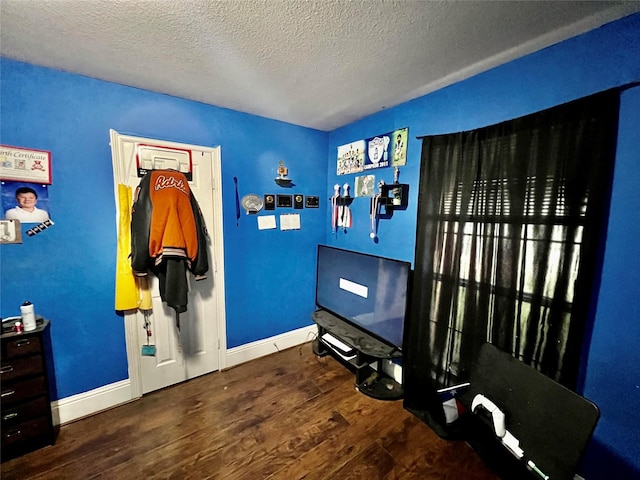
604, 58
68, 270
613, 371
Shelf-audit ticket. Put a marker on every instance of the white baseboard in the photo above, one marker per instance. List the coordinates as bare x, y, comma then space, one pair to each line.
260, 348
88, 403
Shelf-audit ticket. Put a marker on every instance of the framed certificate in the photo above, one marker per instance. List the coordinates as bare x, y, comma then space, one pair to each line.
25, 165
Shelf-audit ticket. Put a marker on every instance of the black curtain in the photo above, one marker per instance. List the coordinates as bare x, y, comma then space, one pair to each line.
510, 217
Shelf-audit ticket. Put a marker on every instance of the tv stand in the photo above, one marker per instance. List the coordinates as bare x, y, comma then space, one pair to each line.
368, 350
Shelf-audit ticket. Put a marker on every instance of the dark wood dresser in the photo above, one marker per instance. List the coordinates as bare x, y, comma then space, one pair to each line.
26, 398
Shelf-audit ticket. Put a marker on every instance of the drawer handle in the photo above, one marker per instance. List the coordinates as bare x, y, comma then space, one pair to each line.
23, 343
6, 369
8, 393
9, 416
12, 433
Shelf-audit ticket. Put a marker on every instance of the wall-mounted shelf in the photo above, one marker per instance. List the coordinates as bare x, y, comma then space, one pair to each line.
284, 182
394, 196
342, 201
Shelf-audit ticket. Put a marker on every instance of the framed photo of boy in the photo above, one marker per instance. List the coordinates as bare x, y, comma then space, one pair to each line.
25, 202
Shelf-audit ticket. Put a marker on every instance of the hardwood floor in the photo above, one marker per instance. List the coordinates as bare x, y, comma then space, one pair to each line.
289, 415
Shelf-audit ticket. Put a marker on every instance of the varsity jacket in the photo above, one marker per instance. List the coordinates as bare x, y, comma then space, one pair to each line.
168, 234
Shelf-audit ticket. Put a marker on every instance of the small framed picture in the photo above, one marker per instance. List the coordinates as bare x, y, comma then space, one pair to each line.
10, 231
284, 201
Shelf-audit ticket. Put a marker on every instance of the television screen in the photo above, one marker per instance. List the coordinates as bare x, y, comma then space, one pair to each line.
366, 290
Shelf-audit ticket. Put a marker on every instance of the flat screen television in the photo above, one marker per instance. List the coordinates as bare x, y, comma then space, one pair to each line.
368, 291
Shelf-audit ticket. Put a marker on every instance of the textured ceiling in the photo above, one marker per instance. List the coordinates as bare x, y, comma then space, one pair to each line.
316, 63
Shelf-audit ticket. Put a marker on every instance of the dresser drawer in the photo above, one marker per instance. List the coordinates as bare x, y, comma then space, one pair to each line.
26, 417
25, 431
19, 346
20, 367
23, 390
25, 411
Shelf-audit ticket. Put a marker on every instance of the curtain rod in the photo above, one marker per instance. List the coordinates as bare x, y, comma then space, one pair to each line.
621, 88
629, 85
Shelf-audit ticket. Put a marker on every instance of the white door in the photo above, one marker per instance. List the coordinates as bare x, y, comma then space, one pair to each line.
196, 348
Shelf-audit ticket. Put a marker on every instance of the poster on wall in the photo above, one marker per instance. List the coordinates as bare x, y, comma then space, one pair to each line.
365, 185
25, 165
351, 158
387, 150
25, 202
399, 152
381, 151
